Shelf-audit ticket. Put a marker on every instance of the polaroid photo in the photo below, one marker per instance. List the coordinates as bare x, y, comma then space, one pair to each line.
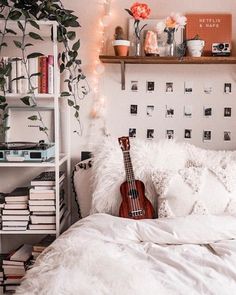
188, 111
206, 135
227, 136
134, 109
207, 112
134, 86
170, 134
227, 112
188, 87
208, 88
170, 112
188, 133
169, 87
150, 110
150, 86
132, 132
227, 88
150, 133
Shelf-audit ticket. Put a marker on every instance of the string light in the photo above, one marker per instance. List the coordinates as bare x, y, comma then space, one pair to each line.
98, 109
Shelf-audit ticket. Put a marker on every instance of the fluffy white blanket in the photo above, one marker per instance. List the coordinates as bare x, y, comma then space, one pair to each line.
103, 255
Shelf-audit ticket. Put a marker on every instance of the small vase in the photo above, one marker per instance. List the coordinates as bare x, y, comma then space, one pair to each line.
170, 47
137, 46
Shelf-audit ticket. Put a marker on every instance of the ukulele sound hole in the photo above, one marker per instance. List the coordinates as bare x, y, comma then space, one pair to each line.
133, 193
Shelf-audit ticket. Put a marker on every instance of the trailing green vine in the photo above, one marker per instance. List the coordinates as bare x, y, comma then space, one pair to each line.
26, 14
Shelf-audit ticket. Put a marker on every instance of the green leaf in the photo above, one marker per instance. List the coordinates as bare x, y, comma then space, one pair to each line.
65, 93
20, 26
18, 78
26, 100
4, 44
69, 63
35, 75
34, 24
43, 129
71, 35
129, 12
5, 116
3, 106
76, 46
62, 68
70, 102
10, 31
28, 44
33, 118
15, 15
77, 107
2, 99
18, 44
76, 114
35, 36
34, 55
71, 23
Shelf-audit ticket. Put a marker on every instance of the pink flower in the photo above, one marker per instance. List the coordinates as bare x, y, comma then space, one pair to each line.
140, 11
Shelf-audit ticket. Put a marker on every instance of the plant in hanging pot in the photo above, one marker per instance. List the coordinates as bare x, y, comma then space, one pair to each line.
195, 46
120, 44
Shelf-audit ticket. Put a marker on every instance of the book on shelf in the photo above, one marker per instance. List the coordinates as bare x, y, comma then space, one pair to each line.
33, 69
43, 78
15, 206
42, 226
23, 223
50, 74
47, 178
39, 195
23, 253
42, 208
20, 194
2, 200
15, 217
13, 280
42, 202
43, 213
14, 228
15, 212
35, 219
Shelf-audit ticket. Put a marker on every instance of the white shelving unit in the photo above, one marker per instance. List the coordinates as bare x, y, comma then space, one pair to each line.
62, 158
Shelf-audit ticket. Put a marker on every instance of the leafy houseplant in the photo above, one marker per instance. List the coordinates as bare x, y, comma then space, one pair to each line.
26, 14
121, 45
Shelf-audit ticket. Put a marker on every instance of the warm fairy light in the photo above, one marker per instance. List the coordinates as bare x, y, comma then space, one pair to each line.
98, 108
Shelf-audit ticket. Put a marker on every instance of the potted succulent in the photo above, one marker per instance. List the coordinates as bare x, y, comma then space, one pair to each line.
195, 46
120, 44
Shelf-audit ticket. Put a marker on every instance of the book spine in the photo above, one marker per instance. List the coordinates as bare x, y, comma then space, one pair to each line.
24, 82
44, 74
13, 71
5, 60
33, 69
40, 77
50, 74
19, 74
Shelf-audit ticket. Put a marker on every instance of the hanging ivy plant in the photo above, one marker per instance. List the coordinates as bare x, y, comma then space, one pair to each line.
26, 13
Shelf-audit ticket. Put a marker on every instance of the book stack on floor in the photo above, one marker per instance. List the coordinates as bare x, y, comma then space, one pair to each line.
41, 246
15, 215
2, 256
43, 82
42, 201
15, 266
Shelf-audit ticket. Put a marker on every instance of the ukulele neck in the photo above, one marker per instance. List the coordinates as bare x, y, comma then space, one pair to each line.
128, 167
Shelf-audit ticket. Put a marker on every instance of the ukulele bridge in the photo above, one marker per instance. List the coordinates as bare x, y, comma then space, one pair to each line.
136, 213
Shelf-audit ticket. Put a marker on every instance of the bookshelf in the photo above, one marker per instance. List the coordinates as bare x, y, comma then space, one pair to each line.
165, 60
61, 121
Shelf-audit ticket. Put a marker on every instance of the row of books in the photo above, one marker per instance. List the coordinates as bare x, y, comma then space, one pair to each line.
40, 70
33, 208
14, 265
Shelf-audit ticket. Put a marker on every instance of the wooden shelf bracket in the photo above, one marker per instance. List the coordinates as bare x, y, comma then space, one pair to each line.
122, 64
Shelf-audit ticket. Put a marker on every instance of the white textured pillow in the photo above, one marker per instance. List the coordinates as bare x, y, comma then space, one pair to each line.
109, 174
196, 190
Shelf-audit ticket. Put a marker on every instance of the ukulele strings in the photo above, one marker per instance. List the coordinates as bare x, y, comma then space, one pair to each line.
132, 184
128, 170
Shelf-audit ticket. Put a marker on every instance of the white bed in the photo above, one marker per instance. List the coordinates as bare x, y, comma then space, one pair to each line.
190, 254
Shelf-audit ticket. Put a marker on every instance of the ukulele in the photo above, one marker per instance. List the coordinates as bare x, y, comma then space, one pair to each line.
134, 204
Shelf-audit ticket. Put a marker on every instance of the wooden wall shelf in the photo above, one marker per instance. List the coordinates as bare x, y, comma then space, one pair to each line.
163, 60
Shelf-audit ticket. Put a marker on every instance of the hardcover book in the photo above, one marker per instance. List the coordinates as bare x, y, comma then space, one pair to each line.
212, 28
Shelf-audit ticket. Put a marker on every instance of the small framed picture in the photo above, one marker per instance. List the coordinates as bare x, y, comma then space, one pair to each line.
134, 109
188, 133
150, 86
170, 134
150, 110
150, 133
132, 132
208, 88
170, 112
188, 111
227, 88
227, 112
134, 86
227, 136
207, 135
188, 87
169, 87
207, 112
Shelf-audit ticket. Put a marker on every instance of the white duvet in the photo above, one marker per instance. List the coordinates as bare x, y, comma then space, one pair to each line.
103, 255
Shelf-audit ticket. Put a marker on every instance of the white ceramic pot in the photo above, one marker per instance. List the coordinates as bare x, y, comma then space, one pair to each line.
121, 47
195, 47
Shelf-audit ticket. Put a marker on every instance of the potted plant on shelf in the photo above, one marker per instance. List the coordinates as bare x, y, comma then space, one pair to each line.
120, 44
195, 46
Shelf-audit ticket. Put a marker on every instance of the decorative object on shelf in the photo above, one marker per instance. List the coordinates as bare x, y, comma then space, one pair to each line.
221, 49
121, 45
170, 25
195, 46
139, 11
27, 17
150, 44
